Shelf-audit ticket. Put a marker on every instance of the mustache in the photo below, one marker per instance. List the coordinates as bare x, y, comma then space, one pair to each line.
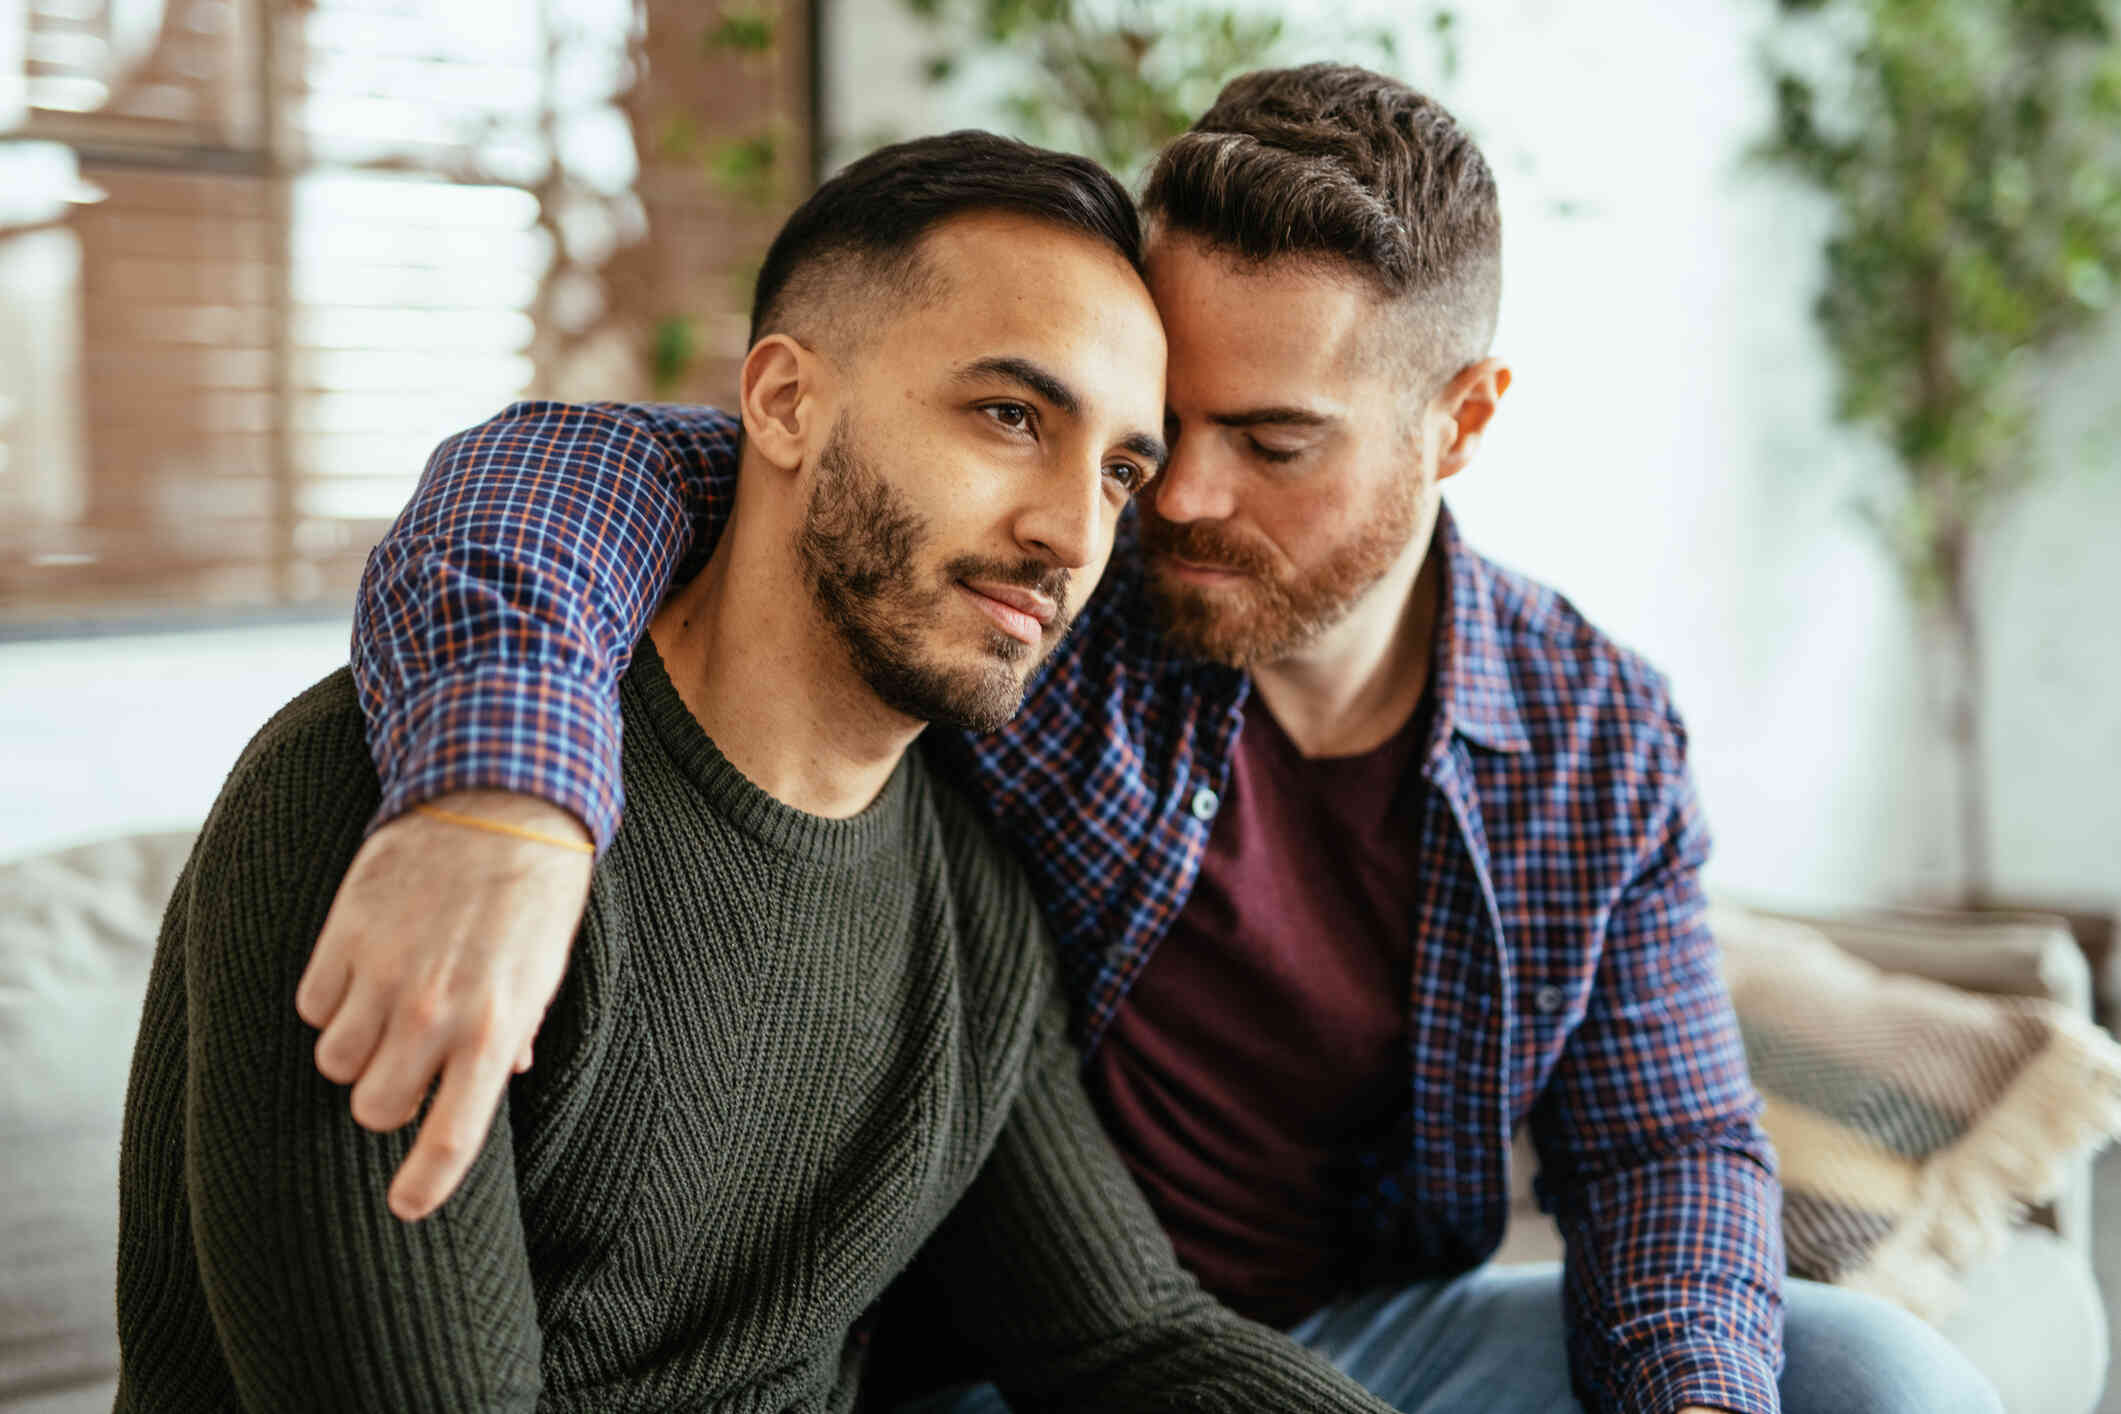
1204, 543
1049, 580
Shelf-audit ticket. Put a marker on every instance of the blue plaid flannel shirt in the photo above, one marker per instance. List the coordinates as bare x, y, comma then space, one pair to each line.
1563, 976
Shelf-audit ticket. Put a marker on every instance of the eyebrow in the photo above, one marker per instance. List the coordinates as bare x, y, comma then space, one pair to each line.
1272, 417
1150, 449
1026, 374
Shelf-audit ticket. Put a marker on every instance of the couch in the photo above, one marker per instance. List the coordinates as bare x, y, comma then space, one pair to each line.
77, 933
2033, 1320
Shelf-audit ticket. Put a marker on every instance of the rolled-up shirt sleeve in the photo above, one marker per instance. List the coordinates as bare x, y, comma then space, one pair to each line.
496, 617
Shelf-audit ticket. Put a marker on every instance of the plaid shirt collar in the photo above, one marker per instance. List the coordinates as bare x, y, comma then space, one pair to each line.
1176, 722
1475, 693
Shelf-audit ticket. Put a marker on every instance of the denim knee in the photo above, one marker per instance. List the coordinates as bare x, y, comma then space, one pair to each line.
1849, 1353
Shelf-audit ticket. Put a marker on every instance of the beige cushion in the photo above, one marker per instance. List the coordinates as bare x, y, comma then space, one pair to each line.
1914, 1121
77, 933
2034, 1324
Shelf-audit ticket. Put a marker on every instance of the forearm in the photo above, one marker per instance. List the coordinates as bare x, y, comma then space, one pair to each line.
1672, 1284
1653, 1159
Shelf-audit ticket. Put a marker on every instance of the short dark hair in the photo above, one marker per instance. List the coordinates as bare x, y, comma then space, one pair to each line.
867, 221
1339, 165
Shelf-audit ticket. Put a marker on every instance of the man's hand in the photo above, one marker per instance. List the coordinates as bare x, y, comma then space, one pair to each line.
443, 948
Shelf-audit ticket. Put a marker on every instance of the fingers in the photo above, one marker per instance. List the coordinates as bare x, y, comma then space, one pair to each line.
356, 1026
443, 948
395, 1078
453, 1132
324, 981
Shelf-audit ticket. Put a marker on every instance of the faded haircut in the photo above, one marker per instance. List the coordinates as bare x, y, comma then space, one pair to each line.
1354, 172
853, 252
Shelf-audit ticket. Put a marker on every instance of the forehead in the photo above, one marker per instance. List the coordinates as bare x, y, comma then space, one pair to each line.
1249, 333
1018, 286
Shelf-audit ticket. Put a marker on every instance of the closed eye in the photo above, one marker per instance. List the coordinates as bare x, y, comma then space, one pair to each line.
1272, 454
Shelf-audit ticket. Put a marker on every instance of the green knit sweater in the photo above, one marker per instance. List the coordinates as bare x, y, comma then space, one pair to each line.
790, 1055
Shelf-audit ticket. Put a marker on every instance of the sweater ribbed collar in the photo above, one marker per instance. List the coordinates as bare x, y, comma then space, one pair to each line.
649, 696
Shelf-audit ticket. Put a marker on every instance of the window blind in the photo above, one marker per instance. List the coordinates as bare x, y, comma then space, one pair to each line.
300, 244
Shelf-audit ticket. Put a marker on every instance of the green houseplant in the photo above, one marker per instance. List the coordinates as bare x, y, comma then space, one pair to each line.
1970, 155
1117, 80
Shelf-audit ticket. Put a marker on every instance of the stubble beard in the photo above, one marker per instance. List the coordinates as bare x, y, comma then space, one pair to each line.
859, 546
1265, 617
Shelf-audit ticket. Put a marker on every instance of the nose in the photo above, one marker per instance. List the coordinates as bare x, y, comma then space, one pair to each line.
1066, 521
1192, 486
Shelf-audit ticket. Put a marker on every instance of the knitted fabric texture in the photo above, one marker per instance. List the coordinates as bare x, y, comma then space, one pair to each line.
786, 1050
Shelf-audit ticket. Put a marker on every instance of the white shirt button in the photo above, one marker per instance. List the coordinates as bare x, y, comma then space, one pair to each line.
1205, 803
1549, 998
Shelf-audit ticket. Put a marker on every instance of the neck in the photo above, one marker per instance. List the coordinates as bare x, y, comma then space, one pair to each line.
767, 679
1352, 688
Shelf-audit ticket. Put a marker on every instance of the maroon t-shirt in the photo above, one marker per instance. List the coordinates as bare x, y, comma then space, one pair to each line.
1266, 1040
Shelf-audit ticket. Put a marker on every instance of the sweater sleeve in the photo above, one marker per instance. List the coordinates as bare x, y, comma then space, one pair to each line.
1056, 1269
497, 616
320, 1299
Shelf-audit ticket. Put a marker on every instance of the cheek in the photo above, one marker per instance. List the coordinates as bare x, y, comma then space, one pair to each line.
951, 492
1305, 520
1083, 583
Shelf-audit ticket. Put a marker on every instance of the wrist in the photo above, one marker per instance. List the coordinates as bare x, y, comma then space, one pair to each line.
513, 807
509, 813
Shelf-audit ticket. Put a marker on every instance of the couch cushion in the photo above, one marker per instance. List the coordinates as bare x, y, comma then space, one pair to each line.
77, 934
95, 1397
2034, 1324
1913, 1120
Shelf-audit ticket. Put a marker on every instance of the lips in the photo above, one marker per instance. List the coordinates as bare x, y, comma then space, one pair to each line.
1198, 569
1019, 612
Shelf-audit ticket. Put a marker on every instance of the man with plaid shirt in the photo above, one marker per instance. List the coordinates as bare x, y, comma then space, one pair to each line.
1360, 851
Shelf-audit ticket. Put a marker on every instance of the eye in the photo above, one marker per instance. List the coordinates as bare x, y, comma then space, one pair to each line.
1017, 417
1273, 454
1129, 477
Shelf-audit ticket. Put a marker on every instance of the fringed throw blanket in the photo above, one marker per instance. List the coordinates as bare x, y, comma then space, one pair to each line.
1914, 1122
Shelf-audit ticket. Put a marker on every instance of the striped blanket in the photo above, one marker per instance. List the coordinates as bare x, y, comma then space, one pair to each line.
1914, 1122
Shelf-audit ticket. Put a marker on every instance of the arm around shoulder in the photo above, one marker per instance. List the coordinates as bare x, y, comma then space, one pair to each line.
492, 626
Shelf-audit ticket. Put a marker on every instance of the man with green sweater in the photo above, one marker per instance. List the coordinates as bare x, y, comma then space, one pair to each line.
810, 1031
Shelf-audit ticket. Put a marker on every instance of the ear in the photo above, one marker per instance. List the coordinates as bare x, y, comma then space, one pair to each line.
1460, 413
781, 393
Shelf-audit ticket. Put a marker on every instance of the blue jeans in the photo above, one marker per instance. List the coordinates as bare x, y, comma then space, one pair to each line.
1491, 1342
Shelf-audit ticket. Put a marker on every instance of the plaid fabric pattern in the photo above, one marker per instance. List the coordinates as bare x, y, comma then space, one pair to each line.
1563, 974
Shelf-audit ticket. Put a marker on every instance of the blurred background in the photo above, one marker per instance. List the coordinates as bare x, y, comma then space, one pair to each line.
1815, 401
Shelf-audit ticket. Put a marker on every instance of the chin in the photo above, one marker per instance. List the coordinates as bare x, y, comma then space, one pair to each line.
1203, 624
976, 697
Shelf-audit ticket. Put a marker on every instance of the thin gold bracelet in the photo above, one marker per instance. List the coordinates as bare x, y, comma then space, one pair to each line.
496, 827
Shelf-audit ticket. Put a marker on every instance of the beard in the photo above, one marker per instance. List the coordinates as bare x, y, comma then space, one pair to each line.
859, 547
1267, 616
